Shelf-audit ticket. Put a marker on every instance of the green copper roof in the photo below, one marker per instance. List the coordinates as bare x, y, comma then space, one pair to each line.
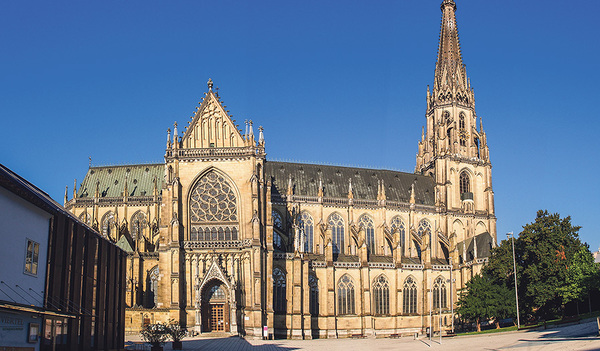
140, 180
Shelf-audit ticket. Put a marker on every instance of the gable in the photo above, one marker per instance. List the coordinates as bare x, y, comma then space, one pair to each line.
212, 126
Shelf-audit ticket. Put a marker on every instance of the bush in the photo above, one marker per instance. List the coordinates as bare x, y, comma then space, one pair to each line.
175, 331
155, 334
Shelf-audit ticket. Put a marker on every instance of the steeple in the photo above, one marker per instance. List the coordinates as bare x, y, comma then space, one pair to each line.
451, 84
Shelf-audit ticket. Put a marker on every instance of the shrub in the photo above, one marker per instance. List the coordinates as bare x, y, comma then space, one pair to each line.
155, 334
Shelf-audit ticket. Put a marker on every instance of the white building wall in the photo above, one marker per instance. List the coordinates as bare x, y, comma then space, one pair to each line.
20, 221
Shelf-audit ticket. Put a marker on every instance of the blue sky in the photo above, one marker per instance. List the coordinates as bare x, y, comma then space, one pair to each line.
339, 82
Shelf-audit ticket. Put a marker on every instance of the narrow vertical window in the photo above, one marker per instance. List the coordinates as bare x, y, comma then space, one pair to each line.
409, 296
31, 257
313, 283
465, 186
439, 291
306, 225
366, 223
336, 222
279, 298
381, 295
345, 295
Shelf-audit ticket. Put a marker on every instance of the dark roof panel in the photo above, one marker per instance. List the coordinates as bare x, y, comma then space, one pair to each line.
335, 180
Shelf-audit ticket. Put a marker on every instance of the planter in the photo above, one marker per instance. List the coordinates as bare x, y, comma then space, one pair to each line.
177, 345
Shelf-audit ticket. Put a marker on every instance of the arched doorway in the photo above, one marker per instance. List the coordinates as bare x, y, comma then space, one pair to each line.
215, 305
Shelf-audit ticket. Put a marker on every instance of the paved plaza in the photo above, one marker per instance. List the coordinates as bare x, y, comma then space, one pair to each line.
574, 337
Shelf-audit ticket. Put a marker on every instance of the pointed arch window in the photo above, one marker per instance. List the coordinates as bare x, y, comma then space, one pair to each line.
278, 229
313, 283
366, 223
439, 287
381, 295
465, 184
424, 228
108, 225
138, 225
397, 225
306, 225
336, 223
151, 293
409, 296
345, 295
461, 121
86, 218
279, 298
213, 209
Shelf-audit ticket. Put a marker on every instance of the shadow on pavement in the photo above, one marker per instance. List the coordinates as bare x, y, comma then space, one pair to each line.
225, 343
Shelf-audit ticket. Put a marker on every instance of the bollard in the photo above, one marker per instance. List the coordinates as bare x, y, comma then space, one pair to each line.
598, 321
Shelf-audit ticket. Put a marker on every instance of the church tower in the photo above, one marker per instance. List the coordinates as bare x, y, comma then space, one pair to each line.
453, 148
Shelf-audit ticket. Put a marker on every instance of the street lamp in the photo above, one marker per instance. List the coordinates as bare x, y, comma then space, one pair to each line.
511, 235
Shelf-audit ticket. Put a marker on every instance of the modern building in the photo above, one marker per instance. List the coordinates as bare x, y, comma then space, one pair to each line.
222, 239
61, 283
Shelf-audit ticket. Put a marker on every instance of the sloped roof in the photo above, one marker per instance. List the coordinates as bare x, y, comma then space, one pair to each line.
335, 179
140, 180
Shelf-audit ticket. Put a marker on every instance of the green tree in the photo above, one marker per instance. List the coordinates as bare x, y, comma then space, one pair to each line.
483, 299
544, 250
582, 277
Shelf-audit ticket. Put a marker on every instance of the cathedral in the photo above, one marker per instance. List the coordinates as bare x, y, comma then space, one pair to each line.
223, 240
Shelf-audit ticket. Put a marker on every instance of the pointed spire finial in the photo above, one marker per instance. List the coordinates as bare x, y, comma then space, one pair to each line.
210, 84
261, 137
422, 133
175, 131
90, 163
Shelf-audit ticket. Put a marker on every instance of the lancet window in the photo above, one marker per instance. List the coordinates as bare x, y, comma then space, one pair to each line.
439, 287
86, 218
279, 298
465, 185
345, 295
213, 209
151, 293
108, 225
336, 223
409, 297
278, 226
397, 225
366, 223
138, 225
306, 226
313, 283
424, 228
381, 295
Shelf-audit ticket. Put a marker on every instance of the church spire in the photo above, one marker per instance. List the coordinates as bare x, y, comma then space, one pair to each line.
451, 82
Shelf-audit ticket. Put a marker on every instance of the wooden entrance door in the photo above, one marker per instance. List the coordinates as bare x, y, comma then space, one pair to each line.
217, 317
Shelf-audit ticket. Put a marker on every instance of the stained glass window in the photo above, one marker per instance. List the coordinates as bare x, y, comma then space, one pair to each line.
213, 209
410, 296
306, 224
108, 225
381, 295
397, 225
336, 222
345, 295
86, 218
138, 224
465, 185
439, 287
366, 223
279, 298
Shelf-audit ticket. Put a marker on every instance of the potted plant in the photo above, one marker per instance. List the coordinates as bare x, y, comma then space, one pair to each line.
176, 332
155, 335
